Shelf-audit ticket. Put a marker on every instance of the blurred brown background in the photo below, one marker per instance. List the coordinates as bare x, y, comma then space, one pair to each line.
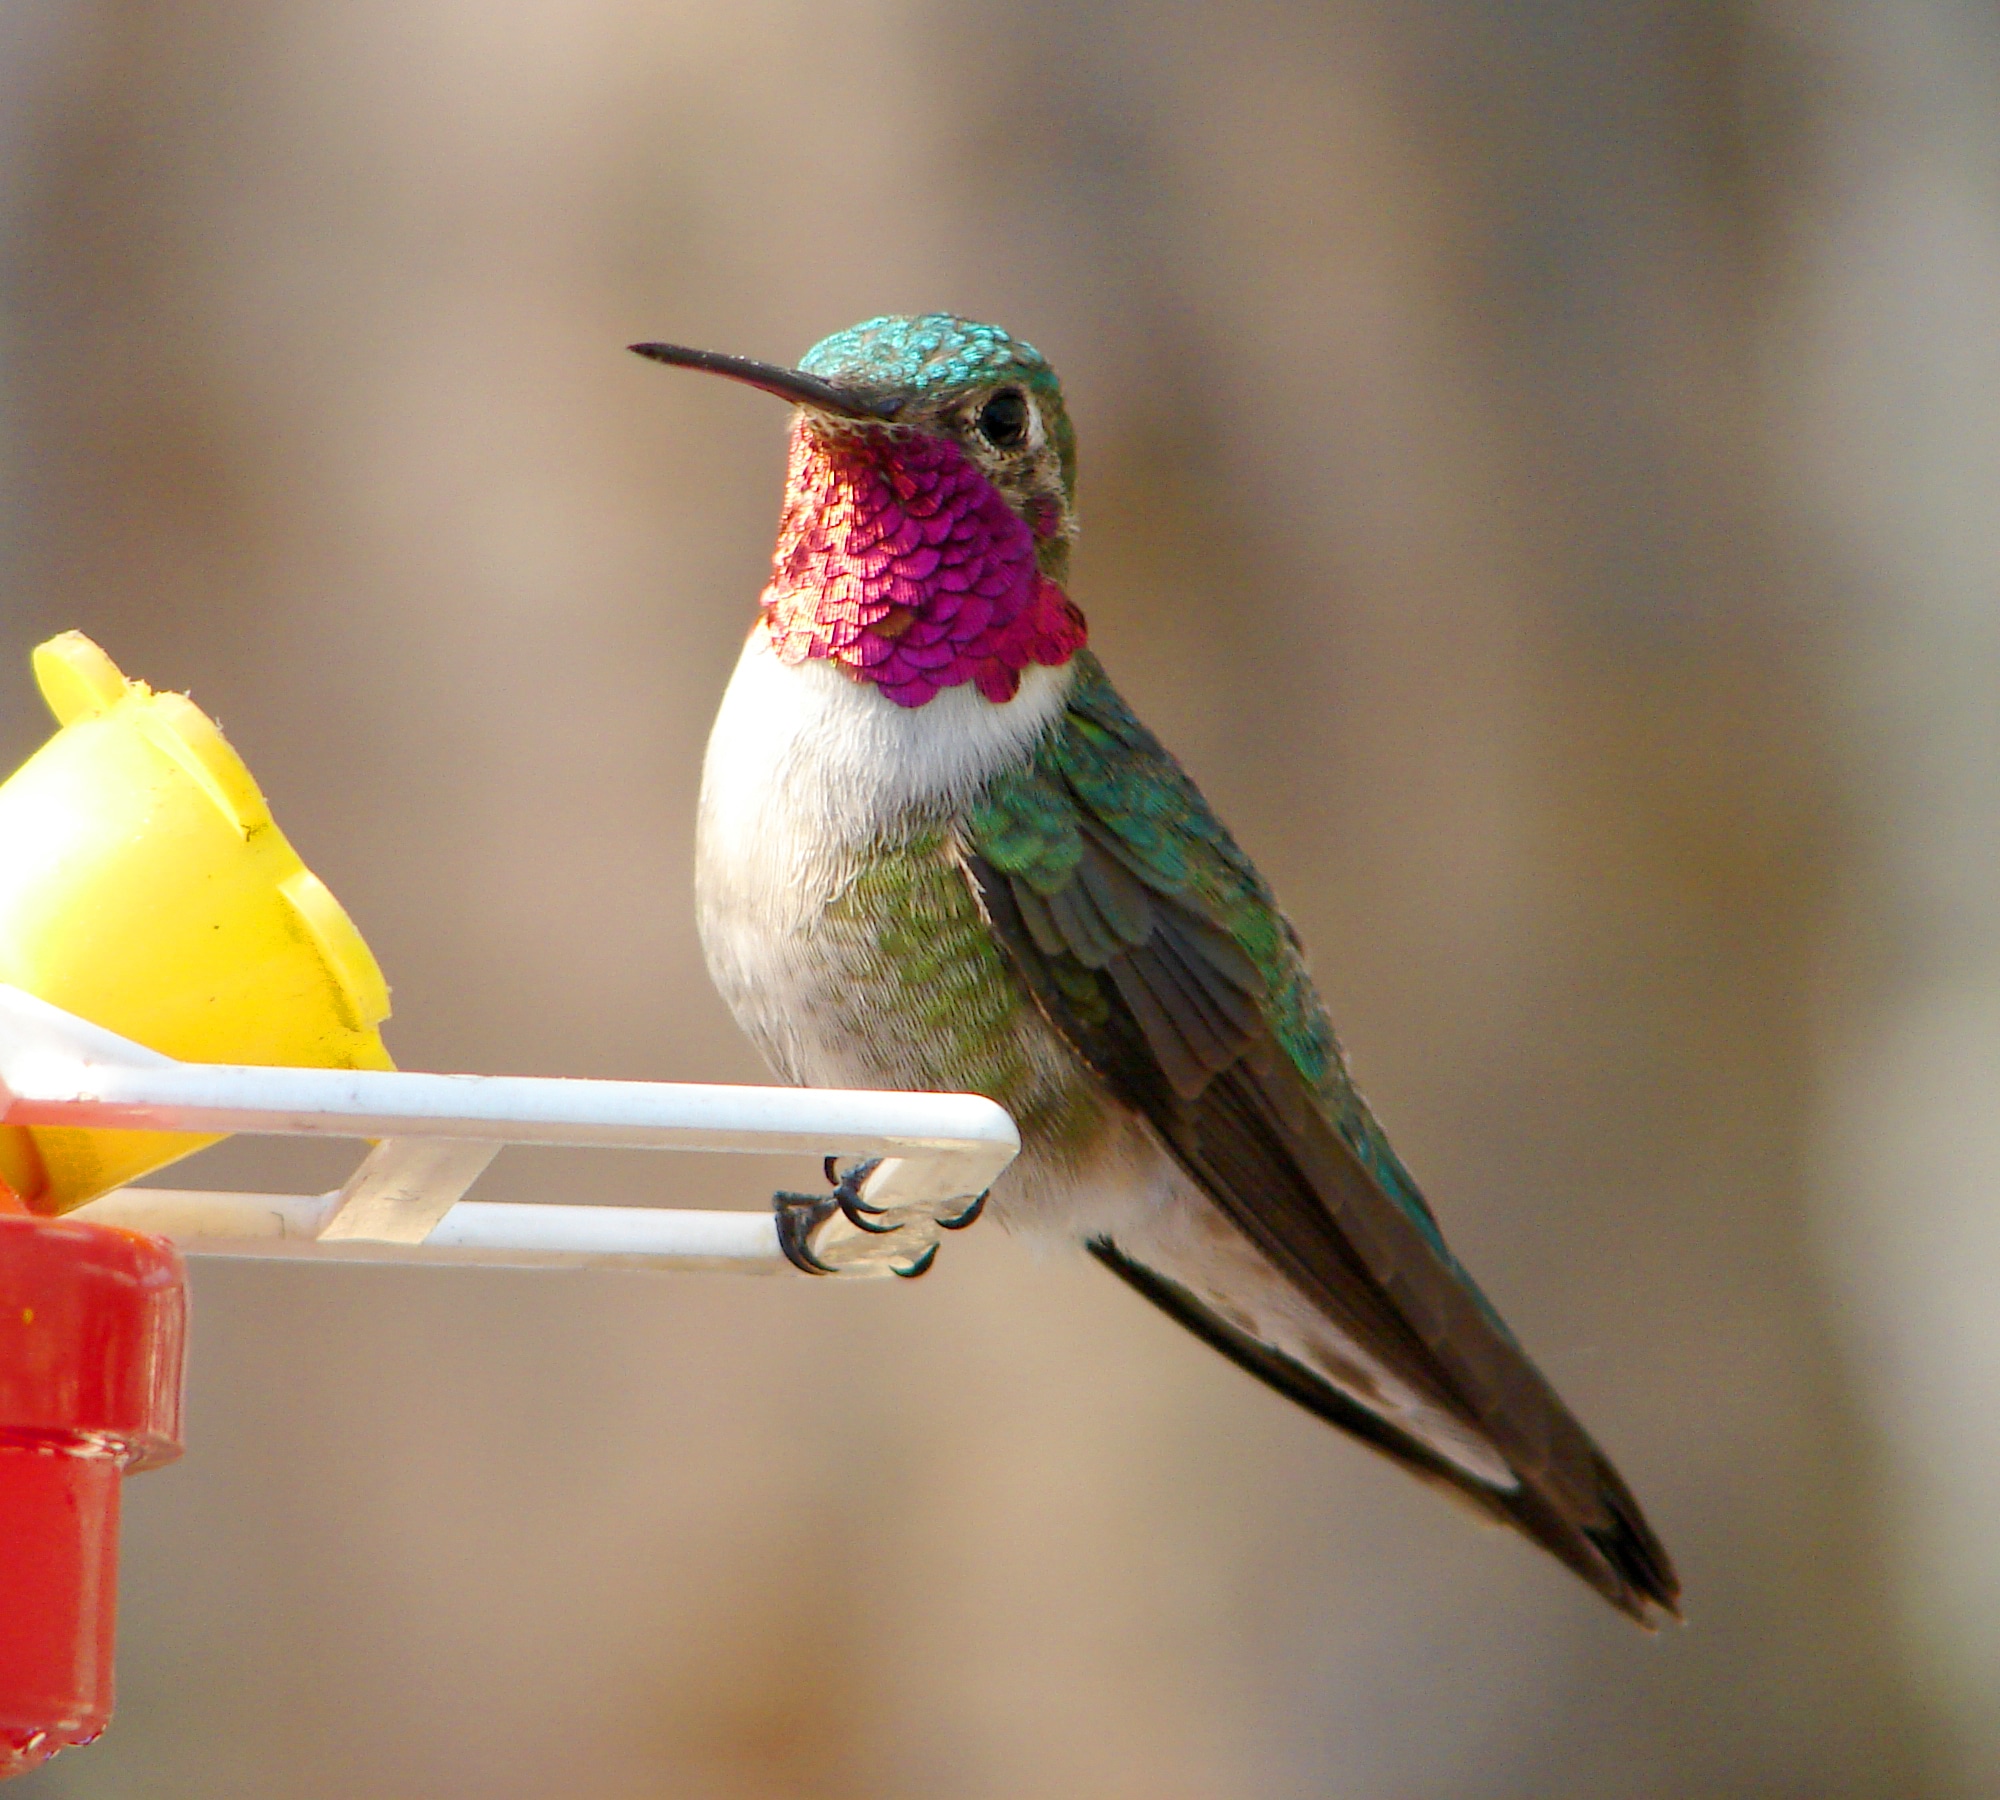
1539, 471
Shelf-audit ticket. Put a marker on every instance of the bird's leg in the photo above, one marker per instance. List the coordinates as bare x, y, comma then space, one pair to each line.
847, 1195
798, 1217
802, 1220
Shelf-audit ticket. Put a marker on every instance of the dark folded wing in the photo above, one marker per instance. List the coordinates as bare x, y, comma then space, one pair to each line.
1150, 942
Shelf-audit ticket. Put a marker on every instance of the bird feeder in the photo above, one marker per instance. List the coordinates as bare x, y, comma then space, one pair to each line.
92, 1325
171, 972
144, 886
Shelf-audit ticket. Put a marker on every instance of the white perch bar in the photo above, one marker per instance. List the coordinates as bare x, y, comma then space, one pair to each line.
938, 1153
513, 1236
508, 1109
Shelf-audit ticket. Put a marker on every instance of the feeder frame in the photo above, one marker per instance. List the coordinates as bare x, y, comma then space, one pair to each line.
436, 1133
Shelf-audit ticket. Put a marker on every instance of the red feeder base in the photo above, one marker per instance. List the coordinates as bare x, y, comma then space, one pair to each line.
92, 1332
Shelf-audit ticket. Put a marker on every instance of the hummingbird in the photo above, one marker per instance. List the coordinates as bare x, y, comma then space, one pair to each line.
937, 850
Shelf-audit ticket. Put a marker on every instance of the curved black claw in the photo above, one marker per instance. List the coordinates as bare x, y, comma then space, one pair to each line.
798, 1217
922, 1266
959, 1221
847, 1196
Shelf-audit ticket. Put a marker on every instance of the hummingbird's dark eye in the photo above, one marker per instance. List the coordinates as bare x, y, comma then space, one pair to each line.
1003, 420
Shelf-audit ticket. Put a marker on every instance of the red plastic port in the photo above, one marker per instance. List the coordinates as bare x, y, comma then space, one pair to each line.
93, 1329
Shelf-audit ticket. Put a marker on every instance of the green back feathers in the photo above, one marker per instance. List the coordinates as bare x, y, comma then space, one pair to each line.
1101, 764
1101, 776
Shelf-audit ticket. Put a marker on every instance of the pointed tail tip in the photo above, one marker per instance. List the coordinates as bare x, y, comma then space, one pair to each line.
1649, 1609
1639, 1577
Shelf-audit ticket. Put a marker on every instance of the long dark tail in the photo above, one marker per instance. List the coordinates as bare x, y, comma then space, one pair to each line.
1623, 1561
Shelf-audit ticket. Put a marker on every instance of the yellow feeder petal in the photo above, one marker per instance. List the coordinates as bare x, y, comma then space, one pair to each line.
144, 886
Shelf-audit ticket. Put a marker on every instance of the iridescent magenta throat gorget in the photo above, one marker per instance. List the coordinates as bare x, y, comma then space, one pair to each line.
898, 560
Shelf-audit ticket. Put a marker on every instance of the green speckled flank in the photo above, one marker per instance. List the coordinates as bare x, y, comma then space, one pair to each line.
928, 977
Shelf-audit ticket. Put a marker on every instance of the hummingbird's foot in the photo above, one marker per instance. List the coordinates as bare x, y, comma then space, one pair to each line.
959, 1220
798, 1217
847, 1195
802, 1219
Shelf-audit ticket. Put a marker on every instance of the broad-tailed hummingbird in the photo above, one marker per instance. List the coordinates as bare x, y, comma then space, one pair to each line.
938, 851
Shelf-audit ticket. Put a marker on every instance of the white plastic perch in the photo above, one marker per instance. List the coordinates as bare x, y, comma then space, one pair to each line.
939, 1153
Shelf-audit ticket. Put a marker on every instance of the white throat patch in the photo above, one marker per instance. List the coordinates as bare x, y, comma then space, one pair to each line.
808, 750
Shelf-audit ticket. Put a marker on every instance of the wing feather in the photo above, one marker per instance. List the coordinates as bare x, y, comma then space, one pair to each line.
1150, 942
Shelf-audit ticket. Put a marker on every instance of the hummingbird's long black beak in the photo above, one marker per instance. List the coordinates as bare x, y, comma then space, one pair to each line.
794, 385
